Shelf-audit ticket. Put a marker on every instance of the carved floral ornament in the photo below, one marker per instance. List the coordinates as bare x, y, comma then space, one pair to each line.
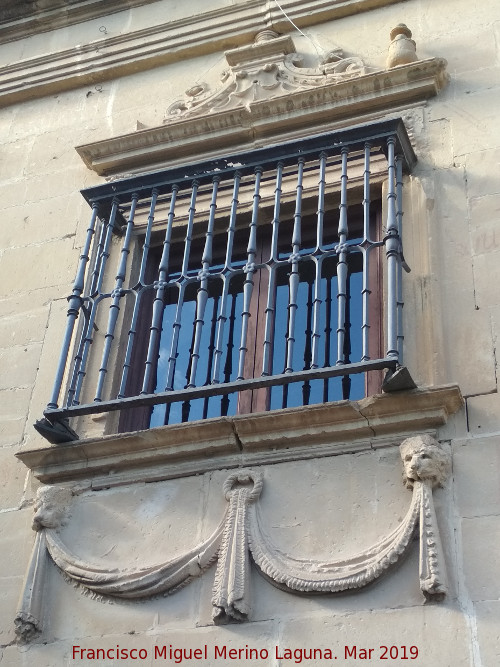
270, 68
239, 537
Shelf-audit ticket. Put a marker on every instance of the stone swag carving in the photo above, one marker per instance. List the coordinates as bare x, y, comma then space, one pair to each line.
239, 537
268, 68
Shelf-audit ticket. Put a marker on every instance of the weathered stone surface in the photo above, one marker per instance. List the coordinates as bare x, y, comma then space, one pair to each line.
402, 627
475, 471
23, 329
14, 478
488, 624
19, 365
16, 540
10, 587
481, 541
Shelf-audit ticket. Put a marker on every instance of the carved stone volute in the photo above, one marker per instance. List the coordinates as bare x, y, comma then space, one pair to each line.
266, 69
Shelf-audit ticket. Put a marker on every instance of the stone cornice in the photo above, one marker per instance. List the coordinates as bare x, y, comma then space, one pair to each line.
144, 49
296, 433
26, 19
309, 111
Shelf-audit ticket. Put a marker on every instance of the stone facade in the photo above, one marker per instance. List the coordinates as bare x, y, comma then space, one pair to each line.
271, 531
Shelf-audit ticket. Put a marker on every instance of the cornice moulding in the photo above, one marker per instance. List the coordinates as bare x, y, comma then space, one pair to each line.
314, 110
59, 14
144, 49
227, 442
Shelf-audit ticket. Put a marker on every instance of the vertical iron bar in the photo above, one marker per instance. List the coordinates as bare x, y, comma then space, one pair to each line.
346, 380
211, 349
182, 285
318, 261
97, 259
342, 260
116, 295
97, 279
228, 366
294, 279
75, 302
158, 305
366, 247
270, 313
306, 387
391, 242
202, 296
222, 318
328, 331
249, 273
399, 278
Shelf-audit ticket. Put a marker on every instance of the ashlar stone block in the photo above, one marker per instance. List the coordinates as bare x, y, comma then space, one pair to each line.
488, 627
438, 633
475, 470
481, 544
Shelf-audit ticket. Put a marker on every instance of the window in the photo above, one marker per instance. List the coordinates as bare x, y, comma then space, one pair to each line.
252, 282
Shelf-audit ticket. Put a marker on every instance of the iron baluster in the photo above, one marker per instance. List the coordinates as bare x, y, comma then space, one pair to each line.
294, 273
87, 333
391, 241
176, 327
116, 296
211, 349
228, 366
342, 260
328, 331
75, 302
202, 296
399, 278
249, 272
318, 261
366, 248
226, 278
158, 303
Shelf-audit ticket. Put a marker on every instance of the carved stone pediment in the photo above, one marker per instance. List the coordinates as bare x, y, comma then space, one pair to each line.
267, 69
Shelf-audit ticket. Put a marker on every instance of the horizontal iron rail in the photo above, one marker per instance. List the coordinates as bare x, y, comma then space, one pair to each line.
245, 163
54, 415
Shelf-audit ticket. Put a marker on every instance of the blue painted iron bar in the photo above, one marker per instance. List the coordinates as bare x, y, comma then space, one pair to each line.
399, 219
114, 307
75, 303
294, 279
318, 260
249, 272
226, 278
392, 249
182, 287
147, 238
220, 389
92, 291
270, 316
158, 305
202, 295
366, 248
342, 261
97, 279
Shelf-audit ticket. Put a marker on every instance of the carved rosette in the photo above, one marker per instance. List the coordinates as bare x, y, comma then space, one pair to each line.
239, 536
267, 69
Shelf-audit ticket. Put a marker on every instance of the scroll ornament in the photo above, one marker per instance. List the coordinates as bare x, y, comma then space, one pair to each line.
267, 69
239, 536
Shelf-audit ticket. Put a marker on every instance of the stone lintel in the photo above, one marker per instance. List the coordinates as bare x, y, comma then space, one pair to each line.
314, 110
179, 450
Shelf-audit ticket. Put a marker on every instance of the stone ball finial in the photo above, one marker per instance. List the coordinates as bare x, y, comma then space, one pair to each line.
402, 49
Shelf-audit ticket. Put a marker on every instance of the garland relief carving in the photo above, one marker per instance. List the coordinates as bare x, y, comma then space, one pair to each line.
242, 535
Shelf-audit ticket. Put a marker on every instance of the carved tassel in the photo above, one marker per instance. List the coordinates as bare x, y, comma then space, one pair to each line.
231, 592
432, 570
29, 617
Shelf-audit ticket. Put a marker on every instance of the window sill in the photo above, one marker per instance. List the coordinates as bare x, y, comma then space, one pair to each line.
180, 450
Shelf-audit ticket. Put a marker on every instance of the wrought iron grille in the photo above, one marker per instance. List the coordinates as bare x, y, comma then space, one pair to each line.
176, 265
